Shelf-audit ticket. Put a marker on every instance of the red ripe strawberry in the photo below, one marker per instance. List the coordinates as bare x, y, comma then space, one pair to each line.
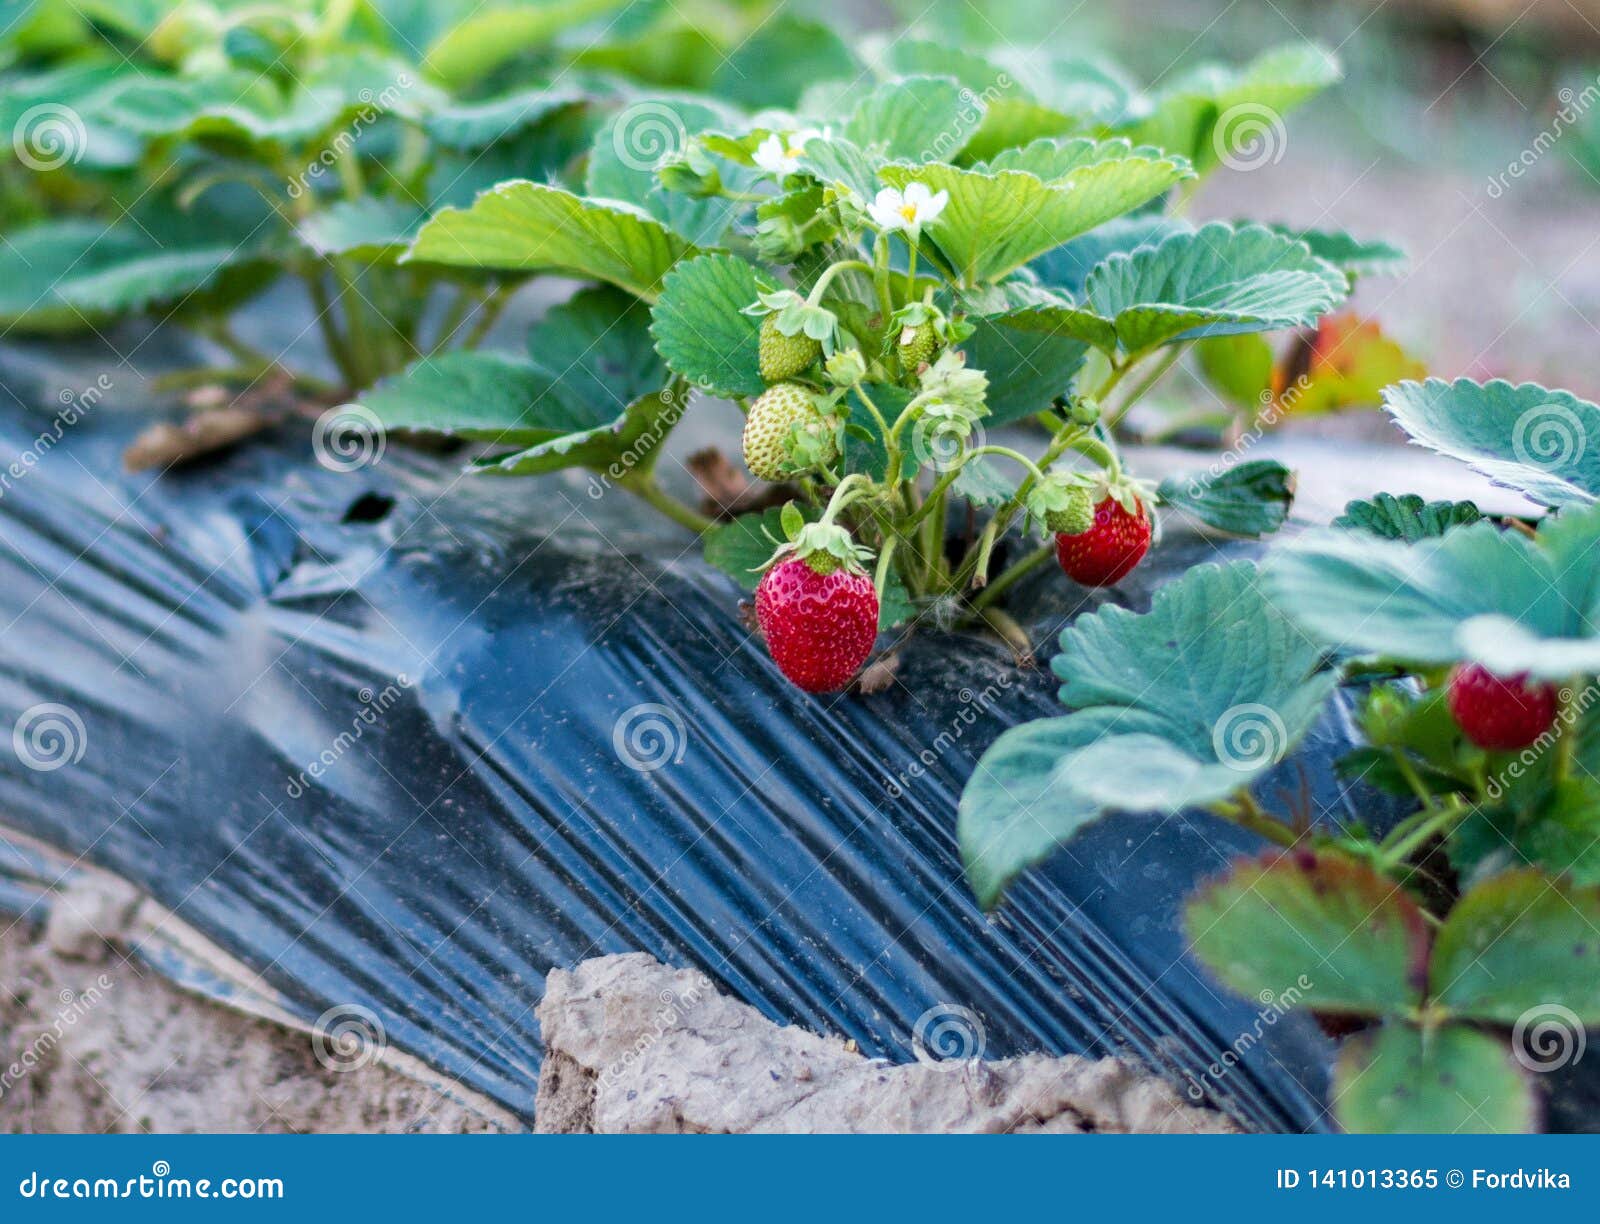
1501, 713
819, 626
1106, 553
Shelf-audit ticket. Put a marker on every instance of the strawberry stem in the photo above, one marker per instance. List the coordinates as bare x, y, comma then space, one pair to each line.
645, 488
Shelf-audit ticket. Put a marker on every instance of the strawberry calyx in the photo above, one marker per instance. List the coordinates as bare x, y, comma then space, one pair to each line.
826, 547
1063, 503
793, 316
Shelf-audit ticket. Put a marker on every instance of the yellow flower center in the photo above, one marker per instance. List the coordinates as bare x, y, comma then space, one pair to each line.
908, 211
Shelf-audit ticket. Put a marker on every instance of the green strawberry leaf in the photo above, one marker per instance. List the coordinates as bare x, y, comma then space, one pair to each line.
1348, 940
700, 327
1355, 256
250, 107
1453, 1080
529, 227
1214, 281
896, 606
1068, 265
66, 274
1249, 499
982, 483
585, 396
465, 126
1517, 943
835, 161
495, 33
634, 142
1497, 597
1406, 517
483, 396
595, 350
1216, 115
1186, 704
775, 64
1027, 371
622, 444
1525, 437
741, 547
373, 228
1109, 167
996, 222
1558, 832
915, 118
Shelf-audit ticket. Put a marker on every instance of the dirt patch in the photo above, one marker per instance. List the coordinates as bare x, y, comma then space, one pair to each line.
93, 1042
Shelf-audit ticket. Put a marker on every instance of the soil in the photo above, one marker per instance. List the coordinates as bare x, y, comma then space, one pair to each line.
94, 1042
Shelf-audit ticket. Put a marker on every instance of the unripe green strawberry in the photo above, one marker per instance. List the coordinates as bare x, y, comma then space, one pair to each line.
769, 429
782, 356
1074, 515
918, 345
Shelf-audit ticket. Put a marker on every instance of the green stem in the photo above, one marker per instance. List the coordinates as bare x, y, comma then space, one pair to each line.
1008, 453
933, 539
1247, 814
1153, 374
814, 298
1423, 833
488, 316
885, 555
1009, 632
647, 489
880, 278
1013, 574
939, 486
332, 339
852, 488
454, 317
1567, 726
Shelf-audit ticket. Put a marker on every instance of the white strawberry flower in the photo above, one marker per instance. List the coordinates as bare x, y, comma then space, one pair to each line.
777, 154
907, 210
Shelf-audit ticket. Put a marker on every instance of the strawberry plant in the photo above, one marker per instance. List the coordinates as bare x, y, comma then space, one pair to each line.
175, 160
1453, 947
883, 265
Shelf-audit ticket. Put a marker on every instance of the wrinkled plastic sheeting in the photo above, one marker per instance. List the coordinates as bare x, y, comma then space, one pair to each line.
543, 734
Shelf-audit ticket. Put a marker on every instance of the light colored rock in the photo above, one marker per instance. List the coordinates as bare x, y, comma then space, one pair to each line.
634, 1045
